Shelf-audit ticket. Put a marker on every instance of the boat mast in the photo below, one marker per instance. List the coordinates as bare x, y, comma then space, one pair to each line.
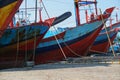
95, 3
77, 15
40, 11
35, 11
25, 9
26, 46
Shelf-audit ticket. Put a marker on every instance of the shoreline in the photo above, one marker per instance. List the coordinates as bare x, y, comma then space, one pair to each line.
63, 72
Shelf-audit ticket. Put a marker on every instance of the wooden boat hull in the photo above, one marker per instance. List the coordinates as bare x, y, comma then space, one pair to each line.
17, 45
72, 48
22, 36
101, 44
71, 43
15, 53
102, 47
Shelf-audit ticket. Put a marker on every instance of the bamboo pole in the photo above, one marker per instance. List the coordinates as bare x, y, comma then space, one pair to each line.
34, 52
113, 52
17, 48
55, 35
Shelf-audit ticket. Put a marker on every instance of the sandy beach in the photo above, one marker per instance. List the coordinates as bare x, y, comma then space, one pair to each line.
63, 72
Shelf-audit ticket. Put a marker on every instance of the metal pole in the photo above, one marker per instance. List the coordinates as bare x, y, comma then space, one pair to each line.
77, 12
26, 9
35, 11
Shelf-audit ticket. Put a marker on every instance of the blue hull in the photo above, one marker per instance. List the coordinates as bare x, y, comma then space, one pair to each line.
101, 43
12, 36
103, 36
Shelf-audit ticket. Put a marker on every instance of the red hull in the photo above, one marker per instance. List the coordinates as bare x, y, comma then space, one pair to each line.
57, 55
101, 44
103, 47
16, 55
30, 44
76, 48
11, 57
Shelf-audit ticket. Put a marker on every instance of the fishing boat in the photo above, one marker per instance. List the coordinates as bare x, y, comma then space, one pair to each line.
101, 44
21, 34
17, 42
8, 8
73, 42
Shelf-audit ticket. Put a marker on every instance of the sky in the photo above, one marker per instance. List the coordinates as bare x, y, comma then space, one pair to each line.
58, 7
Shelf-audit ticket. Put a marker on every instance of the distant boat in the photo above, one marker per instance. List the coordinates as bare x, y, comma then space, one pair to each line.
101, 44
73, 42
8, 8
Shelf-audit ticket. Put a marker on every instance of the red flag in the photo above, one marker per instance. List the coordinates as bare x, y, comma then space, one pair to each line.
11, 24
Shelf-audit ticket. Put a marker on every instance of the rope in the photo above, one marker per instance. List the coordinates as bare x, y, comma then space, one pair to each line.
55, 36
72, 50
60, 47
26, 47
35, 33
17, 43
34, 45
69, 47
58, 41
17, 48
107, 34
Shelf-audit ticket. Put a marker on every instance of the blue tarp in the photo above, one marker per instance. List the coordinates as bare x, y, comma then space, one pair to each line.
86, 2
